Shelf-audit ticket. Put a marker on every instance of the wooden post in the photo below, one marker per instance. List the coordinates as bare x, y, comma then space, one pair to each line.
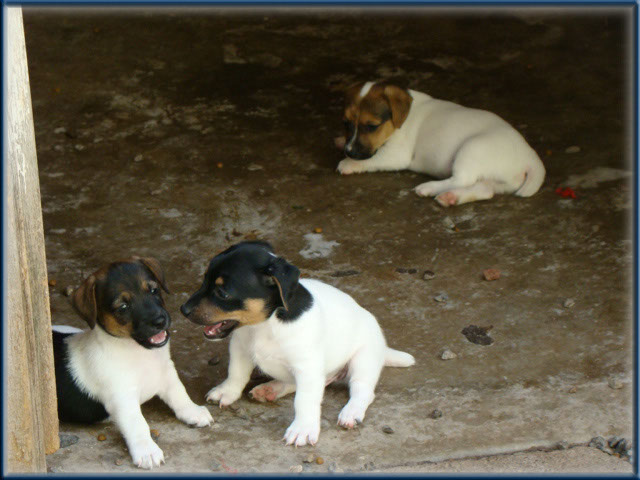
31, 416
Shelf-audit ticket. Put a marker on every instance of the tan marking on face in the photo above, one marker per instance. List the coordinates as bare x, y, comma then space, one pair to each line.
219, 281
148, 285
206, 313
111, 324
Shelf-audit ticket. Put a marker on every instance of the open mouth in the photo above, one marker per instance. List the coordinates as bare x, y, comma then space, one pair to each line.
219, 330
159, 338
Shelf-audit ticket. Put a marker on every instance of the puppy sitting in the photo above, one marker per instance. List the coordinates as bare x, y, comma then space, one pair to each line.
303, 333
113, 368
476, 152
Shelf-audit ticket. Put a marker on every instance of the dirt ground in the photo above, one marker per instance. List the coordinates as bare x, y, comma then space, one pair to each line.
175, 133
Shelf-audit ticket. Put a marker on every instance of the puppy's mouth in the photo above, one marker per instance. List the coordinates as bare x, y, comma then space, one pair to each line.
159, 338
220, 330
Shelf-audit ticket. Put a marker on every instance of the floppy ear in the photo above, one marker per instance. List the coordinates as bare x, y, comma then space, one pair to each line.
286, 278
154, 266
84, 301
400, 103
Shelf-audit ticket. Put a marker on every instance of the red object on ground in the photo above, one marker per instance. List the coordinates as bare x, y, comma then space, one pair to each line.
566, 192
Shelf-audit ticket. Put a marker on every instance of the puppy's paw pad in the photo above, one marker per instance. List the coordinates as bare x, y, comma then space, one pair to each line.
302, 433
147, 455
263, 393
350, 416
348, 167
196, 416
447, 199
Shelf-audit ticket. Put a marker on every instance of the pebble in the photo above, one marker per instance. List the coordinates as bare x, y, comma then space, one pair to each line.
214, 361
491, 274
598, 442
447, 354
118, 461
572, 149
563, 445
310, 458
435, 414
441, 297
568, 303
155, 433
68, 291
613, 441
102, 437
60, 130
573, 389
388, 429
67, 440
79, 147
138, 158
317, 230
52, 283
219, 164
295, 468
615, 383
448, 223
621, 447
428, 275
319, 460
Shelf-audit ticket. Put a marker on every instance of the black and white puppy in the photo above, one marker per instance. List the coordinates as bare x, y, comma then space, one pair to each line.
123, 360
303, 333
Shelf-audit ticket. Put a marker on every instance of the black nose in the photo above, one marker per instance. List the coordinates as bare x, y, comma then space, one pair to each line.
185, 310
160, 321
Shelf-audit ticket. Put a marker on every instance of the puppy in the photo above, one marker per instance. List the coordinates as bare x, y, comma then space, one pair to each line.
123, 360
303, 333
477, 153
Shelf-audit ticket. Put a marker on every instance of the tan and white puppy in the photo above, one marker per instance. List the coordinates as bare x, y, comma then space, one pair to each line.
475, 152
123, 360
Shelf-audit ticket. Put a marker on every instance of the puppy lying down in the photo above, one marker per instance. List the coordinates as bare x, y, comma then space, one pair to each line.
303, 333
475, 153
124, 359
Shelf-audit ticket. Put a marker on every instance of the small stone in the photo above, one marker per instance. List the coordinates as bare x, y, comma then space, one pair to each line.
317, 230
622, 447
295, 468
214, 361
319, 460
572, 149
447, 354
563, 445
598, 442
138, 158
60, 130
428, 275
435, 414
52, 283
155, 433
491, 274
118, 461
613, 441
387, 429
441, 297
309, 458
68, 291
67, 440
219, 164
568, 303
78, 147
615, 383
102, 437
573, 389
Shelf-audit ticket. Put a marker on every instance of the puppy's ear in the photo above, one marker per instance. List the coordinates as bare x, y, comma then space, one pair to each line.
286, 277
154, 267
400, 103
84, 301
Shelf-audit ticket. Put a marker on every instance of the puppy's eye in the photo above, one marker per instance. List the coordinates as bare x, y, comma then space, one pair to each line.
154, 290
122, 308
348, 126
369, 127
220, 293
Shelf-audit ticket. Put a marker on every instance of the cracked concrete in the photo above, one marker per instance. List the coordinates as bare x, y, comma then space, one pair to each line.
174, 133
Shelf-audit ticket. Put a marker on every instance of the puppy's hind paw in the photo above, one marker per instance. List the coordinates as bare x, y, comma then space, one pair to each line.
195, 416
146, 455
350, 416
223, 394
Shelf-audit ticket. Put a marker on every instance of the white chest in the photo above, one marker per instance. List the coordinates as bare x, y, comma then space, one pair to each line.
269, 356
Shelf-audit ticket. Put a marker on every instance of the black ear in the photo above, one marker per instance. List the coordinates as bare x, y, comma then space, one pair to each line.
154, 267
84, 301
286, 278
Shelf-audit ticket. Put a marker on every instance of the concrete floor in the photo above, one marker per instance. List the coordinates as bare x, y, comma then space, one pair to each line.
176, 133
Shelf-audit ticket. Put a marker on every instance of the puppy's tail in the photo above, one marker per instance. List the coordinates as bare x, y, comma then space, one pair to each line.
396, 358
533, 180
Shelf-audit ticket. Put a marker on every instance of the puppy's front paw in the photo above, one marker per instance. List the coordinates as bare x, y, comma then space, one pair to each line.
425, 189
146, 455
195, 416
348, 166
302, 433
351, 415
224, 393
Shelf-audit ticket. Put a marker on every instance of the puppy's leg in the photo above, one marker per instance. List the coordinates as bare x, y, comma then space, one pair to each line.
305, 428
240, 367
175, 395
271, 391
364, 370
126, 413
388, 158
430, 189
482, 190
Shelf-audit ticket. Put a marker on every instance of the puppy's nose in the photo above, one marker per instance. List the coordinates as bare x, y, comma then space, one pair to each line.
160, 321
185, 310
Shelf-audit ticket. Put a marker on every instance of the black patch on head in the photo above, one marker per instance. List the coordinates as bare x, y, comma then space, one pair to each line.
74, 405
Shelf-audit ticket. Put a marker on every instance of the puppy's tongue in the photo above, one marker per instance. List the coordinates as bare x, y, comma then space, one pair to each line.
159, 337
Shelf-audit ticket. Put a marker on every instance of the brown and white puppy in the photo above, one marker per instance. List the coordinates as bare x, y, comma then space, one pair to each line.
476, 152
123, 360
